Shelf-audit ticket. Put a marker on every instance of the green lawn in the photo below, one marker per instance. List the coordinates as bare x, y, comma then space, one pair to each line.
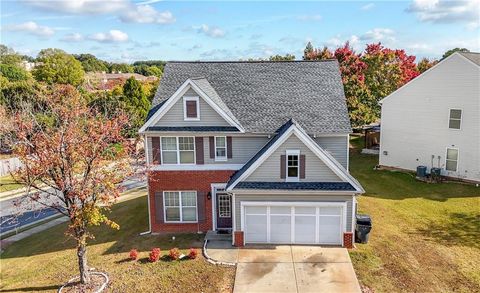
44, 261
7, 184
426, 237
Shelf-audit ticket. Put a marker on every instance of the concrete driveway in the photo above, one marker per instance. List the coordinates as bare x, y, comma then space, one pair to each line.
286, 268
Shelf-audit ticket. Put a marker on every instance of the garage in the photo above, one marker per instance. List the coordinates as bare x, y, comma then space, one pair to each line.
294, 223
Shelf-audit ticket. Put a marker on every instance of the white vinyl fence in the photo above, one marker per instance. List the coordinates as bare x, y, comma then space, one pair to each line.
9, 165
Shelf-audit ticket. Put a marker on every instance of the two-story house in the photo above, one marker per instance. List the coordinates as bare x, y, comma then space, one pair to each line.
256, 148
434, 120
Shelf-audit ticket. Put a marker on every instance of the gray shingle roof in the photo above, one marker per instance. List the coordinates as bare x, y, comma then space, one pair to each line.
472, 56
263, 95
194, 128
338, 186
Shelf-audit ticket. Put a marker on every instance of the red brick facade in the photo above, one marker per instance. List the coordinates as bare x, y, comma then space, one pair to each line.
200, 181
348, 239
238, 239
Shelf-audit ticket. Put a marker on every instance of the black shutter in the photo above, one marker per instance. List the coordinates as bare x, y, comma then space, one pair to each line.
229, 147
282, 167
302, 166
159, 207
199, 150
212, 147
201, 205
156, 148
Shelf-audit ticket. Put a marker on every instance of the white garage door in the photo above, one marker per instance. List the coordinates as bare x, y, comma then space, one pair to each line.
301, 223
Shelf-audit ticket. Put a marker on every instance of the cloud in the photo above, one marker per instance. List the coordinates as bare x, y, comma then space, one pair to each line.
314, 17
111, 36
214, 31
147, 14
378, 34
367, 6
149, 2
256, 36
289, 40
124, 9
442, 11
31, 28
73, 37
195, 47
80, 6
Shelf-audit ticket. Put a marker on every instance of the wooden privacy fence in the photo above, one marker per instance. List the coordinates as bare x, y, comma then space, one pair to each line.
9, 165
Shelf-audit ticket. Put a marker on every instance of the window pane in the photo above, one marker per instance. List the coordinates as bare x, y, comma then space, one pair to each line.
452, 154
451, 165
189, 199
221, 153
169, 143
169, 157
172, 214
293, 160
191, 109
187, 157
220, 141
189, 214
454, 124
186, 143
456, 114
171, 199
292, 171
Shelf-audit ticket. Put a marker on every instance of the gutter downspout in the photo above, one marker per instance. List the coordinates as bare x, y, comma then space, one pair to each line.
148, 189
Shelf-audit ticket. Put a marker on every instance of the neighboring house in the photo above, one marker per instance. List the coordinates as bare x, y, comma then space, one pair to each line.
434, 120
108, 81
257, 148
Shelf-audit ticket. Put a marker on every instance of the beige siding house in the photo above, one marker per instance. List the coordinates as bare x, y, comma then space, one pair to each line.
434, 120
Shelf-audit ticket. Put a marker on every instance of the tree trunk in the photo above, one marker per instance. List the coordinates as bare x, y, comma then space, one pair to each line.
82, 263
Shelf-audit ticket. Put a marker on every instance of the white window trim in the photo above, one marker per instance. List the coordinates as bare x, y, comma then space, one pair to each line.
221, 159
461, 118
292, 153
180, 207
458, 159
191, 98
178, 152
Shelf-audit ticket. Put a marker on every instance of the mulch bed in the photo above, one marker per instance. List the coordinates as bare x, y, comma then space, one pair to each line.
97, 280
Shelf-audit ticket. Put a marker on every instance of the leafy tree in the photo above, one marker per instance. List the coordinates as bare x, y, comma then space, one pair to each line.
308, 50
121, 67
317, 54
451, 51
146, 70
90, 63
425, 64
135, 102
14, 72
72, 165
287, 57
15, 96
158, 63
56, 66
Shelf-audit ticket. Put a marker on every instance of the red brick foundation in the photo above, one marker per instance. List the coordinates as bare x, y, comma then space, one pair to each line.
348, 239
159, 181
238, 239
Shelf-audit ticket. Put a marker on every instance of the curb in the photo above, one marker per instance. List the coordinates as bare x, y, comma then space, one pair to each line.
213, 261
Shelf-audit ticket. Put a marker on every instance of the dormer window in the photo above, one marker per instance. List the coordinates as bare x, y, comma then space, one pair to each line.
191, 108
293, 165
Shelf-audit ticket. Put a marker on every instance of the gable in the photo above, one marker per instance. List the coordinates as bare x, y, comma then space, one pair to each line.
175, 115
315, 169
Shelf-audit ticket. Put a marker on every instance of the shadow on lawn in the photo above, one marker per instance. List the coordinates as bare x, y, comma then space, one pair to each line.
32, 289
132, 217
461, 229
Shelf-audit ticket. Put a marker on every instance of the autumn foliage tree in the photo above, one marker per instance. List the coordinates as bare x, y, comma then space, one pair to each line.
72, 163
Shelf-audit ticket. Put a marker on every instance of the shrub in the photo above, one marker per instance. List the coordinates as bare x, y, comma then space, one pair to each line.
154, 255
174, 253
192, 254
133, 254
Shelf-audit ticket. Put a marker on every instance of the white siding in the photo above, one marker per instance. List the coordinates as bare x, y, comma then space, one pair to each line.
208, 116
337, 146
243, 149
415, 120
315, 171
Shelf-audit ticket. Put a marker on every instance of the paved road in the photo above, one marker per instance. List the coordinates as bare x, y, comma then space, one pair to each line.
14, 216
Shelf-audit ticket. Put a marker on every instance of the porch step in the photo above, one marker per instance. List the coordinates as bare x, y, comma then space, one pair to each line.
213, 235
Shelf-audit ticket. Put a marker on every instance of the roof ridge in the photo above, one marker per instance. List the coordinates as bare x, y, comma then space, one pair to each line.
254, 61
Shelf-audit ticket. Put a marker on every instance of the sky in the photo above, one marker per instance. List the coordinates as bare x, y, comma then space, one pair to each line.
129, 30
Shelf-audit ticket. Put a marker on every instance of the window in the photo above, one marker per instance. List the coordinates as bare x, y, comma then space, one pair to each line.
455, 119
191, 108
180, 206
224, 208
220, 148
293, 164
451, 160
178, 150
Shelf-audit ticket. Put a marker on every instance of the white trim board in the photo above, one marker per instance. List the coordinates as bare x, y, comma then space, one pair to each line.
193, 167
329, 161
177, 95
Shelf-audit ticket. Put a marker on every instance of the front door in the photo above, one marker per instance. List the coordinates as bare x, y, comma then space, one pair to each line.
224, 210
